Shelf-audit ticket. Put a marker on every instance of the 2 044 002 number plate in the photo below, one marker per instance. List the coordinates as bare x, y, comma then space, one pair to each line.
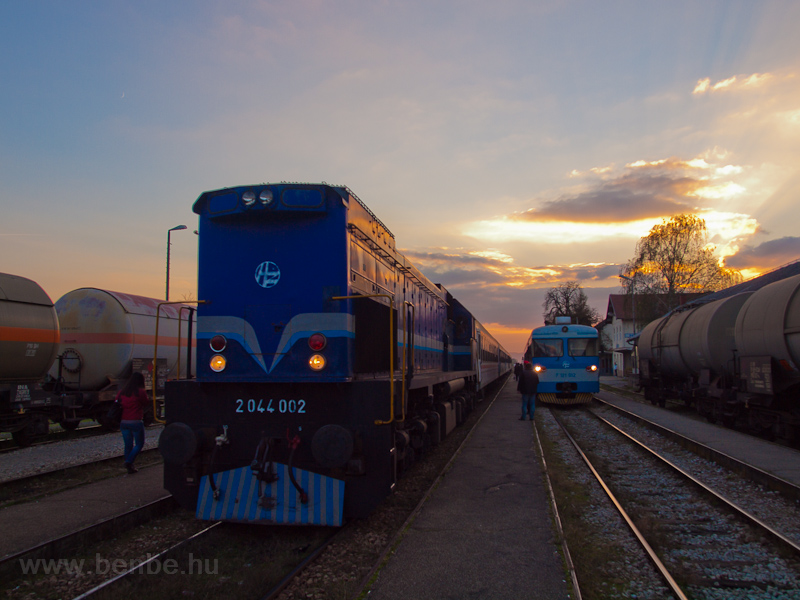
282, 406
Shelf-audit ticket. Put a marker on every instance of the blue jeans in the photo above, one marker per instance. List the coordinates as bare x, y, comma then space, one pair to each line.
528, 405
133, 436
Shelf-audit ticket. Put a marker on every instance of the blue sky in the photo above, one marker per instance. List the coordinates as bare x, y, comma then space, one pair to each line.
509, 145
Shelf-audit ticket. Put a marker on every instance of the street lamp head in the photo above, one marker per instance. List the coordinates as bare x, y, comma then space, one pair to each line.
177, 228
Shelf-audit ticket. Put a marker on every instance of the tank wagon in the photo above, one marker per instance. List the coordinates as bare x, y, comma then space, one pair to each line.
104, 334
63, 361
735, 359
565, 356
326, 362
29, 338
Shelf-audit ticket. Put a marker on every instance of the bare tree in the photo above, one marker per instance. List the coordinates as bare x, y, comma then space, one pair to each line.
674, 258
568, 300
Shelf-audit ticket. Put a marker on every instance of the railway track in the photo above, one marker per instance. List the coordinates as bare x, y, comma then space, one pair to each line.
704, 534
57, 434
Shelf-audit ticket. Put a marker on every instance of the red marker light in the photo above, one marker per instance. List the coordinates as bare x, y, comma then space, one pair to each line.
317, 342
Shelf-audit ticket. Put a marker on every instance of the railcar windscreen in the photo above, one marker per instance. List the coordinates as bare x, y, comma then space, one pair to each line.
547, 348
582, 347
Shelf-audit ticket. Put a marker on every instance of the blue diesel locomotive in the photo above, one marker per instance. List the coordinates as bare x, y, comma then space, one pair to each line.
566, 358
326, 362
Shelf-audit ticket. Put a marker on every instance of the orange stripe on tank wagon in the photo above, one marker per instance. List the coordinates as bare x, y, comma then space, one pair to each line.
122, 338
26, 334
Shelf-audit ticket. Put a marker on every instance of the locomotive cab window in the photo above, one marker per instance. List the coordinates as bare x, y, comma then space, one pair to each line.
582, 347
548, 348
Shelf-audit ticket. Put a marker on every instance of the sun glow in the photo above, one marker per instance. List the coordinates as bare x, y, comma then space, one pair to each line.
556, 232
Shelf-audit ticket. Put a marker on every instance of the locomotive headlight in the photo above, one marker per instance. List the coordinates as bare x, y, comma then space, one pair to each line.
591, 368
539, 368
217, 363
249, 198
265, 197
317, 362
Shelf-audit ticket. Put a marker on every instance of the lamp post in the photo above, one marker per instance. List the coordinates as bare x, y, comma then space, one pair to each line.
169, 231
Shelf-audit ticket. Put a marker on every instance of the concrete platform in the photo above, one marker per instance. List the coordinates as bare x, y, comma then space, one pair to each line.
773, 458
31, 523
486, 531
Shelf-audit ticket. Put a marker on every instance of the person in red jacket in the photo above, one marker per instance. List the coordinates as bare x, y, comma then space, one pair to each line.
133, 399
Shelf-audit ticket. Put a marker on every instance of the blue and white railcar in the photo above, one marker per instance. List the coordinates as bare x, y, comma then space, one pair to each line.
326, 362
566, 358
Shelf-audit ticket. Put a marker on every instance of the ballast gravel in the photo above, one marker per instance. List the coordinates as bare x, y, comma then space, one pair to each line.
44, 458
726, 561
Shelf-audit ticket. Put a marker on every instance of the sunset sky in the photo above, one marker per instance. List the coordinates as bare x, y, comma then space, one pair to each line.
509, 145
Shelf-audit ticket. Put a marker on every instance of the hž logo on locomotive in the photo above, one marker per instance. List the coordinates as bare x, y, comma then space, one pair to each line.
268, 274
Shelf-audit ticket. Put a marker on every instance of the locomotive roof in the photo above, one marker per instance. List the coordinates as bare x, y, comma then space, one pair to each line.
342, 190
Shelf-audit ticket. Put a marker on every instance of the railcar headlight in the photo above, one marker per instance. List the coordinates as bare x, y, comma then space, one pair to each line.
317, 362
539, 369
317, 342
266, 197
249, 198
217, 363
591, 368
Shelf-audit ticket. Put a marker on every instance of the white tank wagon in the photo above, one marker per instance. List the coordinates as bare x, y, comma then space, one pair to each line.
737, 359
105, 334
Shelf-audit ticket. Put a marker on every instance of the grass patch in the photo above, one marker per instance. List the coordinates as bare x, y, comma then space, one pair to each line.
593, 562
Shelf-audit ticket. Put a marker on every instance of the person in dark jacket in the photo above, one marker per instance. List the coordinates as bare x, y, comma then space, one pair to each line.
528, 382
133, 399
517, 371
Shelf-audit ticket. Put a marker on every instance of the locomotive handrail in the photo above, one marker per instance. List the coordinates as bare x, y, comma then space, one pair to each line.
391, 347
155, 350
188, 342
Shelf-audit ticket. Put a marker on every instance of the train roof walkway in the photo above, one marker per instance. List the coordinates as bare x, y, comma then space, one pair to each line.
487, 530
